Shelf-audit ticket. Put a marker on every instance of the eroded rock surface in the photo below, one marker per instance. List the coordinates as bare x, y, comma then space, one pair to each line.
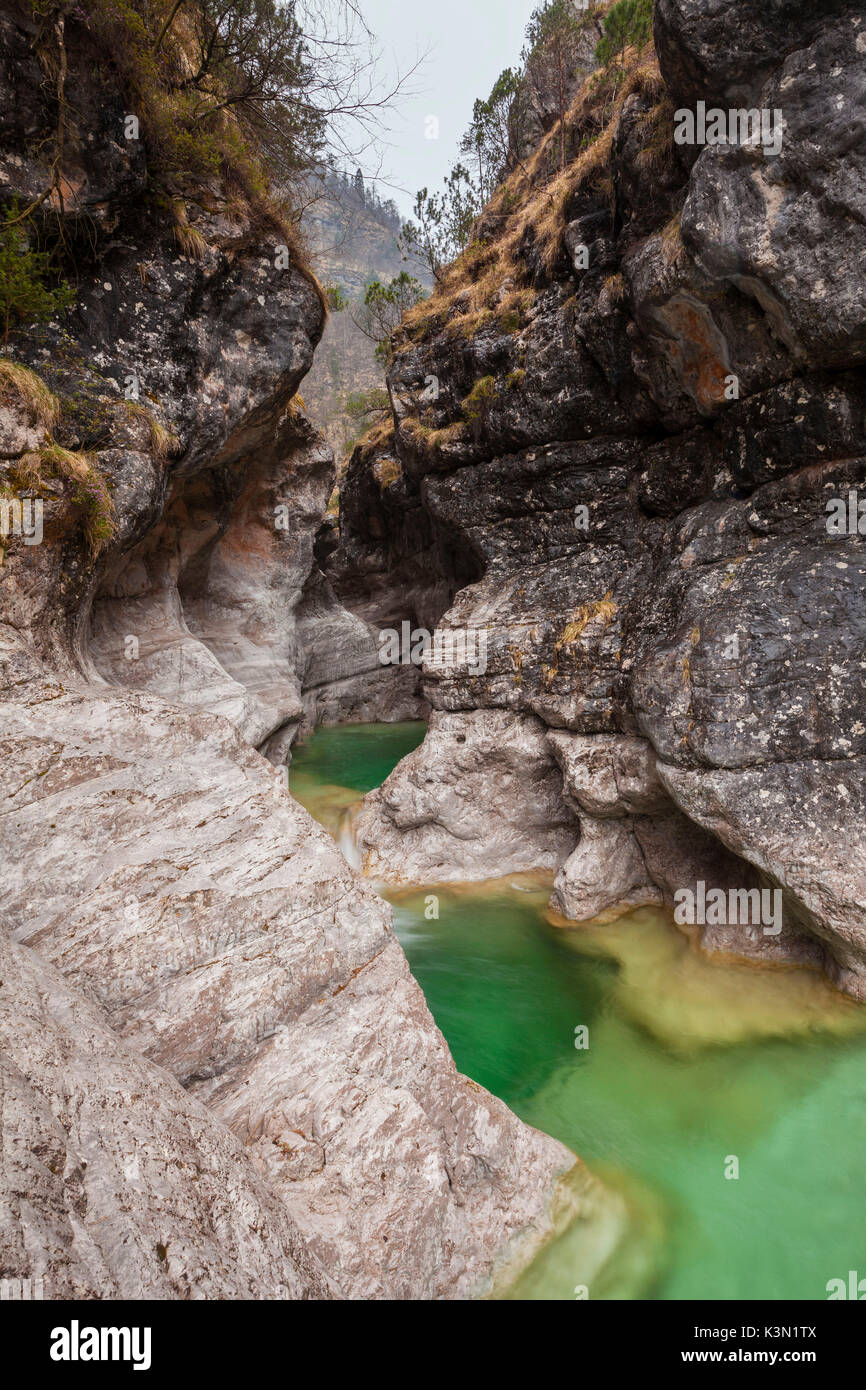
640, 457
115, 1183
481, 800
225, 939
220, 1079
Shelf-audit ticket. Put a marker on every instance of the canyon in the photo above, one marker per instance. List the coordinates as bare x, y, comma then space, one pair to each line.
220, 1077
650, 389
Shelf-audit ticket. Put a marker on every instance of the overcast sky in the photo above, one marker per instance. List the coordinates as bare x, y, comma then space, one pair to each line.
469, 43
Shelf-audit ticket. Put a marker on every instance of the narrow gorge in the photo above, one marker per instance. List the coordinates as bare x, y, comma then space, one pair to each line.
609, 523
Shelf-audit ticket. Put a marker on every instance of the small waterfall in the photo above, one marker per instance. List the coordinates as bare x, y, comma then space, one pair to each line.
345, 836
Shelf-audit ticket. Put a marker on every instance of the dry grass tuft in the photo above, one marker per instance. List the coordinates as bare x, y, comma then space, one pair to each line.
66, 463
431, 442
387, 471
163, 441
534, 202
20, 386
615, 288
602, 610
379, 436
190, 240
89, 489
671, 239
657, 129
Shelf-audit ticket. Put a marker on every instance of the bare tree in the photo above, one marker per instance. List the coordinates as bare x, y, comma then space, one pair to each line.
306, 76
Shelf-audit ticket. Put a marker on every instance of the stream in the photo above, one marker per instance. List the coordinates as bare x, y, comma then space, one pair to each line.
694, 1067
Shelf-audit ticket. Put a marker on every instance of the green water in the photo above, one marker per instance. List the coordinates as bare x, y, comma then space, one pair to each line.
691, 1064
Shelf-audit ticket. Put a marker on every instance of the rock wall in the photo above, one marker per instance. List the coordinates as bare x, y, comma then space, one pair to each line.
220, 1079
651, 384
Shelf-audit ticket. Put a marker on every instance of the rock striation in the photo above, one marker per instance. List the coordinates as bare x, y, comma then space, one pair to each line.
219, 1078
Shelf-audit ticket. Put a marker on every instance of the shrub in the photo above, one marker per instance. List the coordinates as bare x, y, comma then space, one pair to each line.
163, 441
25, 294
337, 301
375, 404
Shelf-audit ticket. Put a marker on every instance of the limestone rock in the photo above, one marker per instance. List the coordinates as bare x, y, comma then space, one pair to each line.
644, 488
482, 798
605, 873
191, 951
227, 941
606, 775
115, 1183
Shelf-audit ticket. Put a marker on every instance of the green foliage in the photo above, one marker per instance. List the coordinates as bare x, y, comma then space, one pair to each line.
337, 301
199, 118
26, 295
556, 40
251, 56
233, 96
443, 221
98, 515
627, 24
552, 24
88, 489
383, 307
89, 493
368, 405
489, 135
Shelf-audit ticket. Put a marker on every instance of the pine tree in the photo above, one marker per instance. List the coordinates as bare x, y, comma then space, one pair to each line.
556, 28
628, 23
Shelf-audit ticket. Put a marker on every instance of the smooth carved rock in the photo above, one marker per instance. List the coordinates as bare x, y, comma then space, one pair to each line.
483, 798
228, 942
605, 875
114, 1182
183, 921
209, 597
441, 1175
609, 775
799, 823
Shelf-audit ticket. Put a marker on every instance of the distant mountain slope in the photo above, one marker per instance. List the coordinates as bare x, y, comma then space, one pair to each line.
352, 239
